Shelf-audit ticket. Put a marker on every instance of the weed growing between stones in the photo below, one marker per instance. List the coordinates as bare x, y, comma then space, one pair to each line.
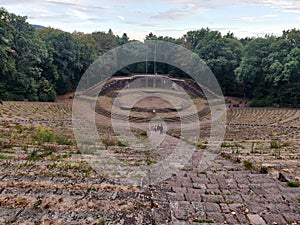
275, 144
293, 184
248, 165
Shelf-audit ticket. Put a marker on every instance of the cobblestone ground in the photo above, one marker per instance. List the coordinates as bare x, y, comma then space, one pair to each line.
227, 194
64, 190
224, 193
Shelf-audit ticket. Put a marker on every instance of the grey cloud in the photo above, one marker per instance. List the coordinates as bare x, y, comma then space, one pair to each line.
179, 12
162, 30
138, 23
17, 2
61, 3
170, 14
225, 28
291, 9
97, 19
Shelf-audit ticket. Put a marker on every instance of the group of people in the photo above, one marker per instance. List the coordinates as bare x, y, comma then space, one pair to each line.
241, 103
159, 127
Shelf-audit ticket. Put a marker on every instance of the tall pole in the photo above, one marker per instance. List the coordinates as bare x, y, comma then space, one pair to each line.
146, 59
154, 58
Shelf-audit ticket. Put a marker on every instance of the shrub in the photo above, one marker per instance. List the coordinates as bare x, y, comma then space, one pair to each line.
43, 134
261, 102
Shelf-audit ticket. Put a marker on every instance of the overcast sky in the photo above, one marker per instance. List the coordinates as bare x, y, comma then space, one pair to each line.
161, 17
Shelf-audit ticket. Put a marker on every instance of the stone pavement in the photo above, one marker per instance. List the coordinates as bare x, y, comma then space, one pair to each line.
225, 193
43, 192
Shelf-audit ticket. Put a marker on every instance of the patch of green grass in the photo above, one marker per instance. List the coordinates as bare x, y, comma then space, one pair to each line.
38, 202
225, 144
197, 220
252, 148
82, 167
275, 144
61, 140
254, 187
102, 222
43, 135
293, 184
200, 145
35, 155
51, 166
208, 192
7, 151
123, 144
202, 172
225, 155
91, 188
5, 157
196, 186
120, 151
150, 161
19, 128
186, 169
248, 165
28, 164
223, 202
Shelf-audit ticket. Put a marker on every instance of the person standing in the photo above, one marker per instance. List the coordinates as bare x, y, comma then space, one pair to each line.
161, 128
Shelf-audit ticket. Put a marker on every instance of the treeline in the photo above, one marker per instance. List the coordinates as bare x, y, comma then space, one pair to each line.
37, 64
266, 70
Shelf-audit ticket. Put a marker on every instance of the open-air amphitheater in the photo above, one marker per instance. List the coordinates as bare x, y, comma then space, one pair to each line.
252, 179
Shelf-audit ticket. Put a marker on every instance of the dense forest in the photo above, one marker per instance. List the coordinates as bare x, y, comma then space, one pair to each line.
38, 64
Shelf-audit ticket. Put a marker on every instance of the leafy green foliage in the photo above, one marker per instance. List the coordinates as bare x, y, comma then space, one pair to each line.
46, 135
24, 54
293, 184
269, 70
38, 64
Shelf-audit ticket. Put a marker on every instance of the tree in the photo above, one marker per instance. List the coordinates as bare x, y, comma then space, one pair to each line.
123, 40
28, 52
250, 73
222, 55
105, 41
67, 60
